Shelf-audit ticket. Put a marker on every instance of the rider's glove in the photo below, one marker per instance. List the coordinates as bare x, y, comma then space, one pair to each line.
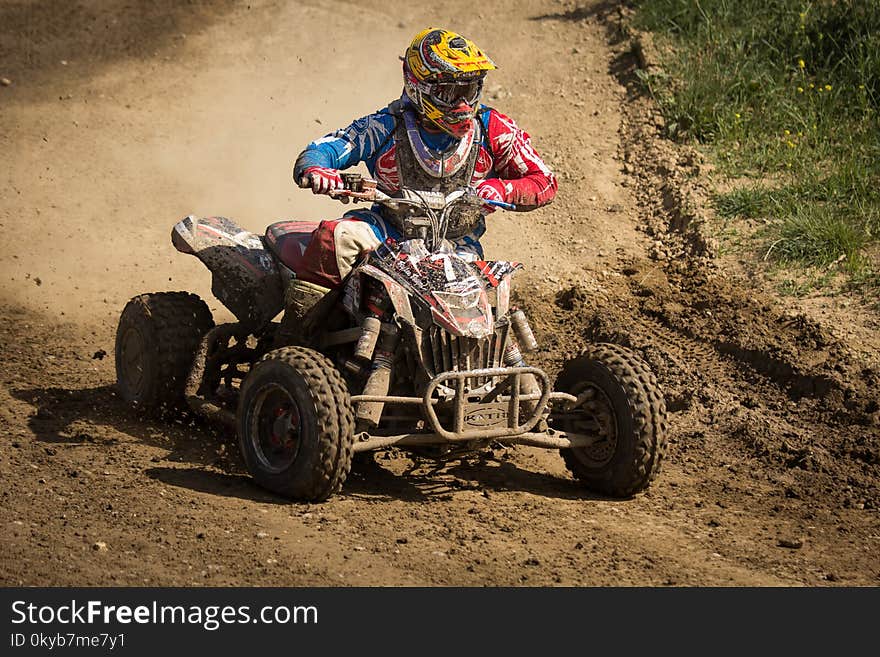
491, 189
321, 180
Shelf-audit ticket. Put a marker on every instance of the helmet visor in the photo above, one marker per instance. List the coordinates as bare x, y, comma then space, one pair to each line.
448, 94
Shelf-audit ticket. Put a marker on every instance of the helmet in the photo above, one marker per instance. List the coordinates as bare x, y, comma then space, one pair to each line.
443, 77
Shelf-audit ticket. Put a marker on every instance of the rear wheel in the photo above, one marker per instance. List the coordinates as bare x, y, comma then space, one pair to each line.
296, 425
156, 341
621, 402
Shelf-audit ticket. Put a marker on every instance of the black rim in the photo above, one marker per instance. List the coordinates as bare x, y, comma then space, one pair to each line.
131, 361
275, 428
595, 416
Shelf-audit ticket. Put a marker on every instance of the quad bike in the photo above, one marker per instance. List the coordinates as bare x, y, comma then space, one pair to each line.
419, 348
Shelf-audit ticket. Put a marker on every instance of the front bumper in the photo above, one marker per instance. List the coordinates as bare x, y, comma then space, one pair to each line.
505, 413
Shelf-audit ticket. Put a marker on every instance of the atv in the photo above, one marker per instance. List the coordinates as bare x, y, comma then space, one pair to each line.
420, 349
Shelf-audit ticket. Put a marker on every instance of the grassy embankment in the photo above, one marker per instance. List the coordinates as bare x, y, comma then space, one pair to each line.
785, 96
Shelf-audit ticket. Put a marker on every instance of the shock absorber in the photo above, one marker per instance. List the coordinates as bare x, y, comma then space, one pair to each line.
375, 301
523, 331
379, 381
528, 384
366, 344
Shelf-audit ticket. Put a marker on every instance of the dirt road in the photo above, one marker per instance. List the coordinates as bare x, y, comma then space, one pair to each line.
123, 117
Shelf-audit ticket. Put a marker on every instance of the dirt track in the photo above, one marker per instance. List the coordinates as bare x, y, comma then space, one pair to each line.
120, 121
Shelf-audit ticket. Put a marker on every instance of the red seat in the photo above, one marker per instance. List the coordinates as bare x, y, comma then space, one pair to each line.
288, 240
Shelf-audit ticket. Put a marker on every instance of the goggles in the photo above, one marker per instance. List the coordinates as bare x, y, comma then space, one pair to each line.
450, 93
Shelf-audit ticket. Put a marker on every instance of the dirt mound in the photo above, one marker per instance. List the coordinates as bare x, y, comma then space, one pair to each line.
768, 383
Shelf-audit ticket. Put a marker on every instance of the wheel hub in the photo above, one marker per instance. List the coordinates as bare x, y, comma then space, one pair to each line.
277, 428
594, 415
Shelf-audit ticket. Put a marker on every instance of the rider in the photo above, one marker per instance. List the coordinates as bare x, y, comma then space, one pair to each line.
436, 136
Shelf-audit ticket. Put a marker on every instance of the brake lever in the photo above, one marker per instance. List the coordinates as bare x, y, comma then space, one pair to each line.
345, 195
473, 198
500, 204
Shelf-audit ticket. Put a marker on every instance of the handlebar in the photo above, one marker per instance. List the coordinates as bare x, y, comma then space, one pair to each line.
361, 188
434, 208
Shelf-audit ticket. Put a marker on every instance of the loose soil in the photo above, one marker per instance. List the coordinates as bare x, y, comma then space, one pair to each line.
120, 119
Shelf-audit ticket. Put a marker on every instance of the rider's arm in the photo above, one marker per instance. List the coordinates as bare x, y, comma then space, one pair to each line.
524, 179
359, 142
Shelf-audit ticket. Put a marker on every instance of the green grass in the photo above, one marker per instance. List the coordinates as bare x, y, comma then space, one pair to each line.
781, 90
750, 202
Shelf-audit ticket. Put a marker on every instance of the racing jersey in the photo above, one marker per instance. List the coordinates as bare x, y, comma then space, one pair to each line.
506, 156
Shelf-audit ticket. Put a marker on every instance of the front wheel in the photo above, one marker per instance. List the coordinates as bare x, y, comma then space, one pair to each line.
296, 424
621, 402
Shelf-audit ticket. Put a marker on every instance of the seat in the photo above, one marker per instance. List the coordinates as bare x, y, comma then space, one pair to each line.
288, 240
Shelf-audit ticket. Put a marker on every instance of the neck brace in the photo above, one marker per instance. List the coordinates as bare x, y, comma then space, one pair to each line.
438, 164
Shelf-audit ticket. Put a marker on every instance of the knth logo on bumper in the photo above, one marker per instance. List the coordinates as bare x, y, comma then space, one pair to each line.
210, 617
486, 417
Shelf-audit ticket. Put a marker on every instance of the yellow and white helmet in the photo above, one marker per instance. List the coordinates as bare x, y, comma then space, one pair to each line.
443, 77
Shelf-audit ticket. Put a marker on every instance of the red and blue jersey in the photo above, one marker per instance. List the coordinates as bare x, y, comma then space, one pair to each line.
506, 156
